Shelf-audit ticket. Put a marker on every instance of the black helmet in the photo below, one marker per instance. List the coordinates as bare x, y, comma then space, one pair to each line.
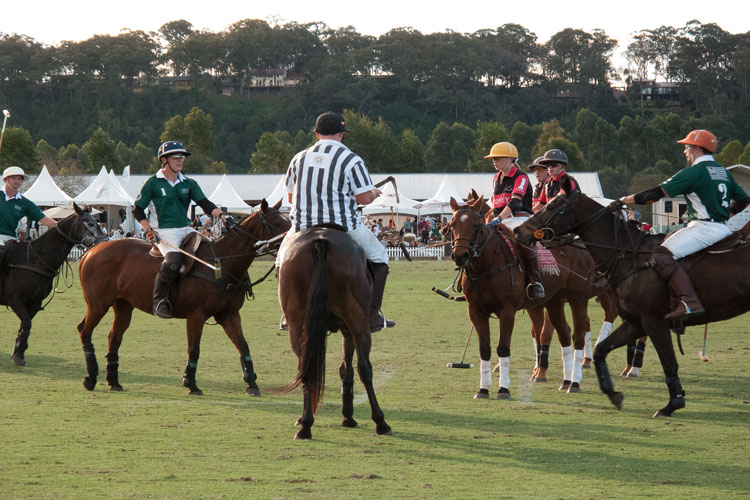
537, 165
554, 156
170, 148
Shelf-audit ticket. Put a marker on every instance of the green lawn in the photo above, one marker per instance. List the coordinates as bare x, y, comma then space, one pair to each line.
58, 440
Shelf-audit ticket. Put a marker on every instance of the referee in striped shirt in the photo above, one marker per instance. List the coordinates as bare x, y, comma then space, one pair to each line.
325, 183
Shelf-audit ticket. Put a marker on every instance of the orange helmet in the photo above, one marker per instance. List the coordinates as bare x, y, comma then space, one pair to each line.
701, 138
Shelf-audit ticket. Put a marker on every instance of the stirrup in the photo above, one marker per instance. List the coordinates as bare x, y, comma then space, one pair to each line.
159, 309
528, 289
679, 315
381, 323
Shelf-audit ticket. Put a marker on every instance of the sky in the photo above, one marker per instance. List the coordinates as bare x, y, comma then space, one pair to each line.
52, 21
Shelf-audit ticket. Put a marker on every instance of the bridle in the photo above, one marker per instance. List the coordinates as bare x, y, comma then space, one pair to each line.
87, 241
475, 249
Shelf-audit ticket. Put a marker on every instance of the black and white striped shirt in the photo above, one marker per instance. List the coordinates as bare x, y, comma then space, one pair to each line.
323, 180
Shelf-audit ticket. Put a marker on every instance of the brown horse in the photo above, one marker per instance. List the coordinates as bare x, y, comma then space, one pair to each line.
577, 267
32, 267
623, 252
494, 283
120, 274
324, 286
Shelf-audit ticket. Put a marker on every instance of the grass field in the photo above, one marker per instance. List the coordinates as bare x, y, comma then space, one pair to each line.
58, 440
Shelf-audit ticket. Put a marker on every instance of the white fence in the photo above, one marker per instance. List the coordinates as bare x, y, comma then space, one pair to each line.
418, 253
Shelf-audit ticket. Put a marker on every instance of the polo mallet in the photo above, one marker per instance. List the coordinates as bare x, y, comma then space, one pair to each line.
462, 364
702, 354
392, 181
6, 115
262, 245
448, 296
216, 268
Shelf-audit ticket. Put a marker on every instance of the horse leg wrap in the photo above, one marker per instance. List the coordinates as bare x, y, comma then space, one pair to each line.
567, 358
602, 373
248, 374
188, 378
485, 374
22, 342
113, 364
505, 372
587, 351
676, 397
631, 354
544, 357
92, 367
577, 364
604, 332
640, 349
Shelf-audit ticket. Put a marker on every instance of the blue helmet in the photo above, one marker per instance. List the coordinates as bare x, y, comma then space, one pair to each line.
170, 148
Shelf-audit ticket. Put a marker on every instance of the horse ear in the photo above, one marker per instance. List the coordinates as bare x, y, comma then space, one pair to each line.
566, 185
264, 205
77, 209
454, 204
278, 205
474, 193
477, 203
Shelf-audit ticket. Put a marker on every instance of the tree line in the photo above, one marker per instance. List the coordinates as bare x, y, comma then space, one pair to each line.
416, 102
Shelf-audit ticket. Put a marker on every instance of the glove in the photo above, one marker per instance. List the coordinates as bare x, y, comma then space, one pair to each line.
615, 205
152, 236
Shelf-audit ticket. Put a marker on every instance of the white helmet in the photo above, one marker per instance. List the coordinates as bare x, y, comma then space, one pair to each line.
13, 171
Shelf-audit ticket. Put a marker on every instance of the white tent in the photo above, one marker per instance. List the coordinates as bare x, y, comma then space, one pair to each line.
44, 191
279, 193
225, 196
105, 190
386, 204
441, 199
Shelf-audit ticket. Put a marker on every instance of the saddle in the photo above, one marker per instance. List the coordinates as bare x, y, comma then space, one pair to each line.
190, 244
731, 242
547, 263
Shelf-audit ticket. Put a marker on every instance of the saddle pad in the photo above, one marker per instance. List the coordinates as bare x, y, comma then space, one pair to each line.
508, 242
547, 262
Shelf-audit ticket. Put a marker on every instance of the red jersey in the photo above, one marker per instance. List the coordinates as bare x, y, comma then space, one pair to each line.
515, 182
552, 187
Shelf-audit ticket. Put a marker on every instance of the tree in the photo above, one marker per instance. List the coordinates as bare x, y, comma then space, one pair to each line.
272, 154
730, 153
73, 160
488, 134
449, 148
411, 152
18, 150
175, 33
745, 156
575, 56
524, 137
46, 154
100, 150
138, 157
373, 141
597, 139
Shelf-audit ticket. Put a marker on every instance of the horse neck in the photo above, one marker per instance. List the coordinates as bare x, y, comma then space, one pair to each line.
53, 246
606, 236
238, 246
489, 255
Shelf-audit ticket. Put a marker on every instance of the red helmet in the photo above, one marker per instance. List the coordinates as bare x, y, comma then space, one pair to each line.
701, 138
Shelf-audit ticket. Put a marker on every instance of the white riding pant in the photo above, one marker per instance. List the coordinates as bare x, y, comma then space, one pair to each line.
513, 222
374, 250
697, 235
173, 236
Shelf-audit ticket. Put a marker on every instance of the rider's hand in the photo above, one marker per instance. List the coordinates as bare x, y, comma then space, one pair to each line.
152, 236
615, 205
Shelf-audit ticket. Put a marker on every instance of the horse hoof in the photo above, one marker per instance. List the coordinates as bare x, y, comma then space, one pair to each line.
348, 422
303, 434
18, 360
586, 363
195, 392
503, 393
539, 379
625, 372
617, 398
116, 388
565, 385
88, 383
383, 430
253, 391
482, 394
575, 387
632, 374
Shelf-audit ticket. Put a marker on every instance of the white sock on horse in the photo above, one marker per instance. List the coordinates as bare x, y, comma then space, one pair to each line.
536, 353
587, 351
577, 366
567, 357
485, 374
604, 332
505, 372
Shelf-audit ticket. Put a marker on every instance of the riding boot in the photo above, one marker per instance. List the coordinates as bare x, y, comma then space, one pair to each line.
377, 318
679, 281
530, 261
168, 272
3, 256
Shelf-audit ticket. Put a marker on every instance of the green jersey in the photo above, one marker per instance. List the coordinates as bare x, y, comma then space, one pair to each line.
708, 188
13, 210
171, 202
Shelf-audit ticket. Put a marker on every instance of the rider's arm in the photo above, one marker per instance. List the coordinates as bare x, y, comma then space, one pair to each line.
368, 196
647, 196
47, 221
739, 205
209, 208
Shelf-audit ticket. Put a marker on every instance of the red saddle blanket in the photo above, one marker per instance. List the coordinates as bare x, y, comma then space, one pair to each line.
547, 262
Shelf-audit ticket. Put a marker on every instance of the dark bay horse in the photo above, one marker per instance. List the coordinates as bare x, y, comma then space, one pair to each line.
33, 265
494, 283
576, 266
623, 252
324, 286
120, 274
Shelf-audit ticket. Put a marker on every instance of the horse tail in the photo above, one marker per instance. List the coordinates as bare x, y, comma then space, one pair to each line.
312, 370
